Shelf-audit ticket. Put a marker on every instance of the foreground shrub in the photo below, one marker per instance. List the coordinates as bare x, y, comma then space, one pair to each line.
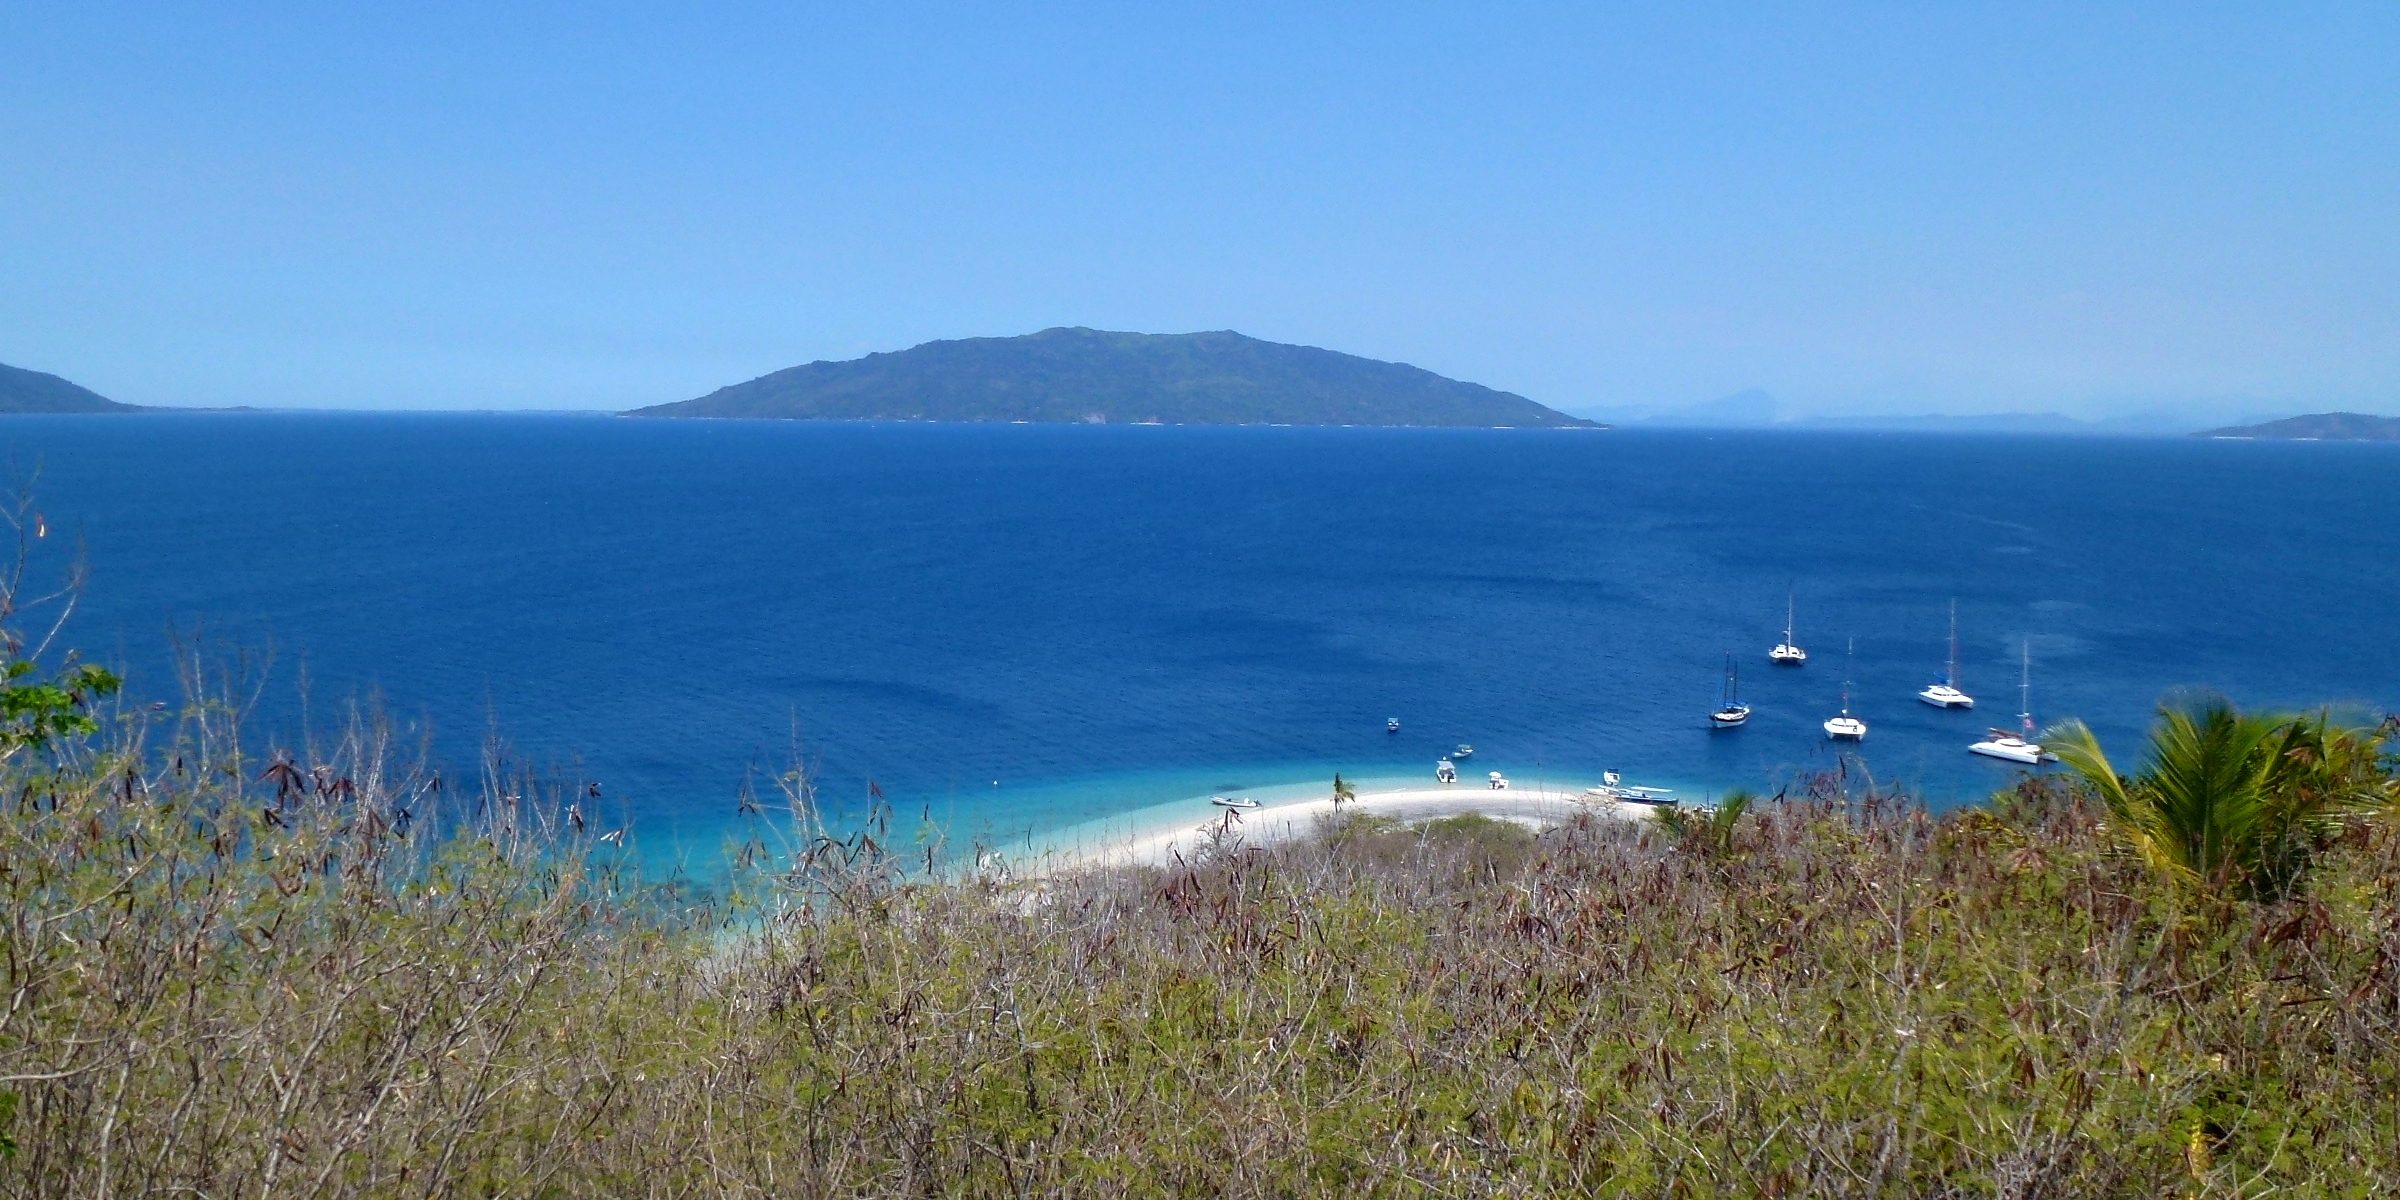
2229, 802
249, 982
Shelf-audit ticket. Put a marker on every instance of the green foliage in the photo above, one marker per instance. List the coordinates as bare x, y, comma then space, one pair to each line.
2229, 802
1708, 830
34, 711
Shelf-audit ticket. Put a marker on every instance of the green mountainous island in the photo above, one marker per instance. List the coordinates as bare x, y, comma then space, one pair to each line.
1091, 375
23, 391
2324, 427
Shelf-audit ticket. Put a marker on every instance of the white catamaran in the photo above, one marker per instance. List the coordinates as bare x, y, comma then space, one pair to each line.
1846, 728
1945, 694
1788, 653
2017, 747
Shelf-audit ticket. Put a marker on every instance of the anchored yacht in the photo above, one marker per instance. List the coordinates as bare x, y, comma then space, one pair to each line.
1945, 693
1731, 712
1787, 653
2017, 747
1846, 728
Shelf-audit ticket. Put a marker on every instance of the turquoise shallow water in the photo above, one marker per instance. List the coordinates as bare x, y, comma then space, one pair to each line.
1108, 619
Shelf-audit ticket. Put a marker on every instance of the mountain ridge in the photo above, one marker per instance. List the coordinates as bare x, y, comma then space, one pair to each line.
1075, 374
2325, 427
28, 391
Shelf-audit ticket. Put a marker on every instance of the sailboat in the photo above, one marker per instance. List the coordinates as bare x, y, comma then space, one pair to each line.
1846, 728
1945, 694
1786, 653
1732, 711
2017, 747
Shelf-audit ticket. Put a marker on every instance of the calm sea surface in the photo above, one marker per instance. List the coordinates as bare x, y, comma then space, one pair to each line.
1028, 627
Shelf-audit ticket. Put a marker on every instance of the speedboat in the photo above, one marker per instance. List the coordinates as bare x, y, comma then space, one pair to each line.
1464, 751
1787, 653
1233, 801
1445, 772
1732, 711
1944, 693
1499, 781
1391, 724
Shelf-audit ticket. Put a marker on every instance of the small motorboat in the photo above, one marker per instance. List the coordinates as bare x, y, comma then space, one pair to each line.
1243, 802
1499, 781
1391, 724
1445, 771
1464, 751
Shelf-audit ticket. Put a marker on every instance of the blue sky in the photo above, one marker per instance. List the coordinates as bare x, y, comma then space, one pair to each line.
1906, 208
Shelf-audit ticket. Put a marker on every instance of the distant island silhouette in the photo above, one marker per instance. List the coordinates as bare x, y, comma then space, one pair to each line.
2323, 427
23, 391
1091, 375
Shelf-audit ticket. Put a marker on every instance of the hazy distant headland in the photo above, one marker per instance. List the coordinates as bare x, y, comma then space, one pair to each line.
23, 391
2326, 427
1754, 408
1091, 375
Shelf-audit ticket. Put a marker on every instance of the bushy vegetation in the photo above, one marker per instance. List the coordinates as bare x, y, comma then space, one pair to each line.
240, 975
317, 973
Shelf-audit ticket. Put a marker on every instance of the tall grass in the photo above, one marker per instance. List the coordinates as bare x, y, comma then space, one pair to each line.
234, 982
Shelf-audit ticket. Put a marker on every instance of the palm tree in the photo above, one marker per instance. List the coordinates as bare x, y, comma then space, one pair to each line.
1343, 793
2230, 801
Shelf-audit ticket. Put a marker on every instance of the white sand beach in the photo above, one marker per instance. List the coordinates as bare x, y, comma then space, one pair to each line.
1279, 822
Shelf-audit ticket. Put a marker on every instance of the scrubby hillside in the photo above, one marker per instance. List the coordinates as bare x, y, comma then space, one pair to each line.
267, 974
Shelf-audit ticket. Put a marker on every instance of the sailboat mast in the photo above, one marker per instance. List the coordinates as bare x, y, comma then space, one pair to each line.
1953, 680
2025, 691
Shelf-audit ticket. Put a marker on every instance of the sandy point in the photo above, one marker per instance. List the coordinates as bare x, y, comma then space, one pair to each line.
1281, 822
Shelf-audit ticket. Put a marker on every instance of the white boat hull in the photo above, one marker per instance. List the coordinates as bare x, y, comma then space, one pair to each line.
1846, 729
1942, 695
2010, 749
1788, 656
1728, 718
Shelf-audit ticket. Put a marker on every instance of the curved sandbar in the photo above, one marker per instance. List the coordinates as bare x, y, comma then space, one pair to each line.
1282, 822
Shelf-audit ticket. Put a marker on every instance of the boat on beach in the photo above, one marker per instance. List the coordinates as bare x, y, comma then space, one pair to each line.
1234, 802
1731, 712
1445, 771
1944, 693
1613, 787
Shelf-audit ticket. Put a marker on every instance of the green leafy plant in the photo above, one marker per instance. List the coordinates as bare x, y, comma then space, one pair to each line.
2230, 802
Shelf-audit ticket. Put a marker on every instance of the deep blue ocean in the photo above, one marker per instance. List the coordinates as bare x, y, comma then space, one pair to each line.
1024, 627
